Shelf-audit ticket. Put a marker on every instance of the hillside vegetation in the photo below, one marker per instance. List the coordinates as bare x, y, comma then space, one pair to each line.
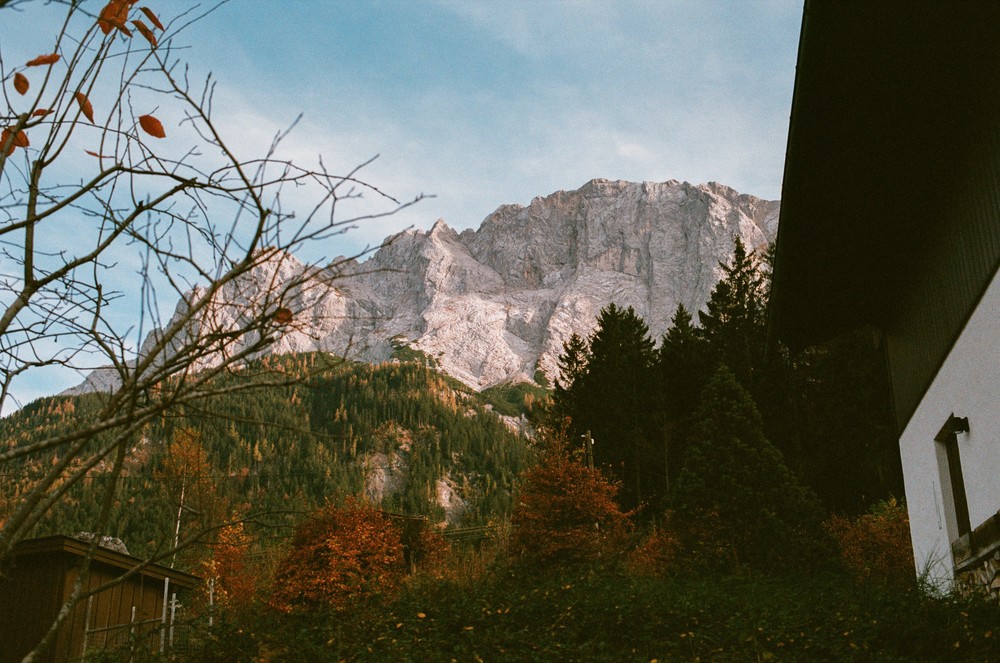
552, 586
704, 497
394, 431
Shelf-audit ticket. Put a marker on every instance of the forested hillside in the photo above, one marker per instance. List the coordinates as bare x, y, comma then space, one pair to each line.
399, 433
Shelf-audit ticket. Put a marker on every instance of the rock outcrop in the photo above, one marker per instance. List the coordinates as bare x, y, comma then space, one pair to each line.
496, 304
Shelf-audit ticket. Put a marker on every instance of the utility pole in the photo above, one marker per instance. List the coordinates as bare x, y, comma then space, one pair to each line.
588, 442
177, 526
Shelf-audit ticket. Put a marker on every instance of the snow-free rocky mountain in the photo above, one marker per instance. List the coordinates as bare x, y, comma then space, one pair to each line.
496, 304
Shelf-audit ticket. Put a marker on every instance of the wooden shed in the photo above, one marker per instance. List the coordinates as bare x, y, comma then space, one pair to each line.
132, 613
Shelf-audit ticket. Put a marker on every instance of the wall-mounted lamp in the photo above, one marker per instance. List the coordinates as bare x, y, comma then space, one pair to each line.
953, 426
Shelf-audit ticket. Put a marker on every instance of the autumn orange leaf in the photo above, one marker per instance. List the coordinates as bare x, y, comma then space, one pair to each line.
152, 126
145, 32
85, 106
114, 15
338, 554
95, 154
21, 83
51, 58
152, 17
104, 20
19, 139
40, 112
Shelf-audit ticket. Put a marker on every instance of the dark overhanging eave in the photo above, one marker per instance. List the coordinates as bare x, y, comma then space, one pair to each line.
887, 98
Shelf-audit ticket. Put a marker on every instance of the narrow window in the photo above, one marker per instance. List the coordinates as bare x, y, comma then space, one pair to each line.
948, 437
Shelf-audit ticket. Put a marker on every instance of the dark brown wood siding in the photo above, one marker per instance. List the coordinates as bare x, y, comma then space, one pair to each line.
30, 597
109, 609
952, 279
42, 577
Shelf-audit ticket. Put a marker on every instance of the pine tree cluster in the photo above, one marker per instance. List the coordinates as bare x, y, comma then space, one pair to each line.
276, 453
715, 424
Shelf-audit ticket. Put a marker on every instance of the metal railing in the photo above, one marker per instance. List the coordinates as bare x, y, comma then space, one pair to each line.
136, 638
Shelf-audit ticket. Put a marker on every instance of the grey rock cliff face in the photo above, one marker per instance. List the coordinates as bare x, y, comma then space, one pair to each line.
496, 304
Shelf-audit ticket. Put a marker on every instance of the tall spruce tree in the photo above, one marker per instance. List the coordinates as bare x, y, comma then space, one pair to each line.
612, 401
737, 481
572, 366
845, 410
734, 326
683, 365
734, 320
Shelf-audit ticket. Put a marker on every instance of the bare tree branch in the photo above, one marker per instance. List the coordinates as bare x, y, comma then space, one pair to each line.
192, 220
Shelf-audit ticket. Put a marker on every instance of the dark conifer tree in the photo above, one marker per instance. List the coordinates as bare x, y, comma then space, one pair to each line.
683, 365
734, 320
612, 401
845, 408
736, 480
572, 361
734, 325
572, 366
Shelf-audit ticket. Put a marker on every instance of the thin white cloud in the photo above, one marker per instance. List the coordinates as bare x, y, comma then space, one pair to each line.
544, 29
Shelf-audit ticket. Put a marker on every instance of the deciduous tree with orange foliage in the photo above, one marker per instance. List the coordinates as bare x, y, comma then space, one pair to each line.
876, 546
340, 553
120, 194
566, 512
231, 581
186, 475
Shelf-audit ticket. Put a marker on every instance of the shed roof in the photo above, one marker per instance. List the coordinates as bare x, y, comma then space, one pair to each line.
61, 544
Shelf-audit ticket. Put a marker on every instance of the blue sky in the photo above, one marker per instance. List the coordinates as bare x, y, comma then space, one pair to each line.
480, 103
486, 103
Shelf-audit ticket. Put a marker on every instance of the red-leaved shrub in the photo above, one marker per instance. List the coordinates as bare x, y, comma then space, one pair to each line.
876, 546
655, 554
338, 554
565, 512
233, 581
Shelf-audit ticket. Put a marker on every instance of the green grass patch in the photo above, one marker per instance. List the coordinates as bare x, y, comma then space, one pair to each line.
516, 399
607, 615
403, 351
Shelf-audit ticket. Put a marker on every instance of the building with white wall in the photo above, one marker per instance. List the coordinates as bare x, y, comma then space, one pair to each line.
891, 219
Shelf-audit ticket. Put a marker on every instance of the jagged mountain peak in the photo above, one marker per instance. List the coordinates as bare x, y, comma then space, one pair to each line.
496, 303
440, 227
